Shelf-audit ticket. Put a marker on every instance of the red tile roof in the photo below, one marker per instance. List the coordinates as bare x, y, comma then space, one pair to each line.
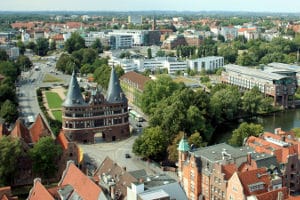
228, 170
83, 186
62, 140
135, 79
112, 169
20, 131
248, 178
38, 191
273, 195
39, 129
4, 192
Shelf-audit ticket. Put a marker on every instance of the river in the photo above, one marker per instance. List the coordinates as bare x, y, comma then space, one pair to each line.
286, 120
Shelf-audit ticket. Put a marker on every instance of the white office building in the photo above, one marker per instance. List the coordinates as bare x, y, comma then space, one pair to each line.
209, 63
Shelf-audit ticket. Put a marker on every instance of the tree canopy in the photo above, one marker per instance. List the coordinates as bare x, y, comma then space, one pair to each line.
10, 152
74, 43
44, 155
245, 130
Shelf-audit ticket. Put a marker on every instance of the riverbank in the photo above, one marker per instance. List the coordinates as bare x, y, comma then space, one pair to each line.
285, 119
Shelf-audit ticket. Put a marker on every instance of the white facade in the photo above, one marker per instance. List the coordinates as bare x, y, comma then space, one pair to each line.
174, 66
209, 63
120, 40
126, 64
137, 36
229, 33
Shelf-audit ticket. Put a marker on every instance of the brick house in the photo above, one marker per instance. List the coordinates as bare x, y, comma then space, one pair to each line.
72, 185
286, 148
133, 84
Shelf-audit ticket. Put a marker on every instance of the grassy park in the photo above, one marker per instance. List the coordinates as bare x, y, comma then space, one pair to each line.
54, 100
49, 79
57, 115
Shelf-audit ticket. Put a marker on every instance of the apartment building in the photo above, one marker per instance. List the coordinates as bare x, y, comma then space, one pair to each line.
229, 32
285, 147
203, 173
265, 168
209, 63
281, 87
133, 84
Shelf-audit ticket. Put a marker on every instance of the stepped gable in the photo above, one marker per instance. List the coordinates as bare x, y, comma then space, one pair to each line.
114, 92
20, 131
74, 96
80, 184
3, 130
38, 191
39, 129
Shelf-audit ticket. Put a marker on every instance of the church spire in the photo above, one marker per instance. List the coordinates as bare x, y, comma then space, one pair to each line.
74, 96
114, 92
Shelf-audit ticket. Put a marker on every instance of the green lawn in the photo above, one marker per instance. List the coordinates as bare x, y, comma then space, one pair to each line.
54, 100
49, 78
57, 114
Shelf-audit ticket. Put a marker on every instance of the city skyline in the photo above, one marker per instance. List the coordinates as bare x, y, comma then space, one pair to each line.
143, 5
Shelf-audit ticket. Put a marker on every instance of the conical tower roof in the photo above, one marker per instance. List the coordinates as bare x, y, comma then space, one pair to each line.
183, 145
74, 96
114, 92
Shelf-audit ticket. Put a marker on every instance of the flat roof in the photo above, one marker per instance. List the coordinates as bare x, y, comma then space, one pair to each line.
253, 72
214, 152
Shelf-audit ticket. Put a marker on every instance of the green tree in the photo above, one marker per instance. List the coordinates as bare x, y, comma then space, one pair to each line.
42, 46
89, 56
31, 45
52, 46
21, 46
155, 91
160, 53
24, 62
9, 69
102, 75
63, 61
9, 111
172, 149
74, 43
245, 130
10, 152
251, 101
149, 53
97, 45
224, 104
3, 55
44, 155
195, 140
151, 144
7, 92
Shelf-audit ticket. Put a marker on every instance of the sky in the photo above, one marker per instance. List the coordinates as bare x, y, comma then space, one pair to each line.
142, 5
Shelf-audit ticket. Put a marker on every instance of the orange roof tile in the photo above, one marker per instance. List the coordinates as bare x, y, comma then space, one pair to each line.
83, 186
20, 131
39, 129
273, 195
62, 140
135, 78
109, 167
248, 178
228, 170
38, 191
4, 191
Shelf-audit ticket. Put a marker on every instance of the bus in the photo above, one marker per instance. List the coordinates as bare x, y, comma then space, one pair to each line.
136, 116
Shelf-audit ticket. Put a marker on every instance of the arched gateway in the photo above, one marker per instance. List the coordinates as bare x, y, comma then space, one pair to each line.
83, 117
